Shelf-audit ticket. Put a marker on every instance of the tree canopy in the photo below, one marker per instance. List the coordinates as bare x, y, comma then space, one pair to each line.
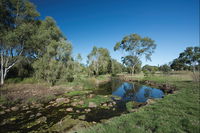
98, 60
135, 47
18, 19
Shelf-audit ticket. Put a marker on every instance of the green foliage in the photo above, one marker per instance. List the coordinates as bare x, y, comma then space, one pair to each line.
78, 67
18, 21
13, 80
135, 47
30, 80
98, 61
23, 69
191, 55
54, 59
52, 67
149, 70
187, 60
116, 67
178, 64
129, 106
165, 68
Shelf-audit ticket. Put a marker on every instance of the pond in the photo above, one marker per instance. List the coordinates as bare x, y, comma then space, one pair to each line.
128, 91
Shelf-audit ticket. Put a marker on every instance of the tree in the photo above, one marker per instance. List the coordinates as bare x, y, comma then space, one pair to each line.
131, 61
98, 60
178, 64
22, 69
165, 68
78, 67
147, 69
116, 67
18, 18
191, 57
47, 31
137, 47
54, 64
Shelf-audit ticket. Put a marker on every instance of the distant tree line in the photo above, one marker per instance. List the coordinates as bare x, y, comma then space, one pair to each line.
188, 60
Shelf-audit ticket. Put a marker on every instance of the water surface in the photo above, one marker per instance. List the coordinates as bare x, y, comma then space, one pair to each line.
129, 91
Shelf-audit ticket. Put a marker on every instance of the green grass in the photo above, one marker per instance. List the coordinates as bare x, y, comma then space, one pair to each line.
75, 93
30, 80
176, 113
13, 80
98, 99
102, 77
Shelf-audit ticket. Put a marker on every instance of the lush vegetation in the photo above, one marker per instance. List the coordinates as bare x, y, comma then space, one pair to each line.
40, 74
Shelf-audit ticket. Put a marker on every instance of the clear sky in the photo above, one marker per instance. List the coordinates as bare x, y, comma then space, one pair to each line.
173, 24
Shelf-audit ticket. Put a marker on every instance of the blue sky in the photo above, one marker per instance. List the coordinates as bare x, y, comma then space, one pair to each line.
173, 24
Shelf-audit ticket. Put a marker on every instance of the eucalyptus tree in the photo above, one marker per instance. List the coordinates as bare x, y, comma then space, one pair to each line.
187, 60
191, 57
78, 67
147, 69
52, 52
98, 60
130, 61
178, 64
165, 68
17, 21
116, 67
47, 31
54, 64
134, 48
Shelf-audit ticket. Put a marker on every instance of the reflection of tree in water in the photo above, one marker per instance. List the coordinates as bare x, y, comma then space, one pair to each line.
116, 83
130, 91
108, 88
147, 93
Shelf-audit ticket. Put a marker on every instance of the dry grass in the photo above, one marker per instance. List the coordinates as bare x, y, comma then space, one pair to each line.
172, 76
28, 93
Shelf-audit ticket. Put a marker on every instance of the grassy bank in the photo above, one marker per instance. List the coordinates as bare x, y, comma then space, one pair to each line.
175, 113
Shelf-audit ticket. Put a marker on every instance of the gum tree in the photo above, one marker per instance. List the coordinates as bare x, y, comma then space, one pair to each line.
98, 60
17, 21
191, 57
134, 48
54, 55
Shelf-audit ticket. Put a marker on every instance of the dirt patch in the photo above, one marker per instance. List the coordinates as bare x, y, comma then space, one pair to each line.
24, 93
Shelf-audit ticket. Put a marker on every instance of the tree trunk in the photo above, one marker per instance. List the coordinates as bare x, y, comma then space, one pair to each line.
2, 72
194, 73
133, 68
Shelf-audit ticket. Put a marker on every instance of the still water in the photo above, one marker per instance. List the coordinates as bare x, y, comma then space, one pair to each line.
128, 91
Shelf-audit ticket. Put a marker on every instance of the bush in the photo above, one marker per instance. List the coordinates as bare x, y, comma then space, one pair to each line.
30, 80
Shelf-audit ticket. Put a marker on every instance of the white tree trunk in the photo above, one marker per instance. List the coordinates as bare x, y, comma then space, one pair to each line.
5, 67
2, 69
133, 69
